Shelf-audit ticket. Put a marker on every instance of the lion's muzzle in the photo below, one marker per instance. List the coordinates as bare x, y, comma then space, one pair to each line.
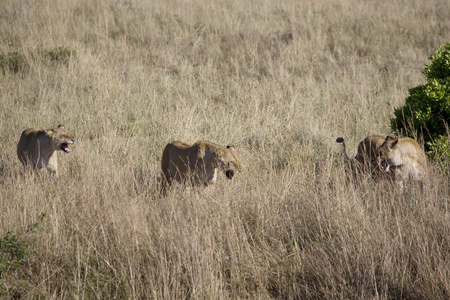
229, 173
65, 146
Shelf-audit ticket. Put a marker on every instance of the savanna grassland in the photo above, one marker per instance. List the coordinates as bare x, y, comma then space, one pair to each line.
278, 79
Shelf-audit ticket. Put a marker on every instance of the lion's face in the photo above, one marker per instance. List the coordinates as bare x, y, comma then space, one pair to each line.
229, 162
61, 138
389, 155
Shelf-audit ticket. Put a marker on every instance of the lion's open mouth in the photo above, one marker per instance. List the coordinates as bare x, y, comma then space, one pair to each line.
229, 173
65, 147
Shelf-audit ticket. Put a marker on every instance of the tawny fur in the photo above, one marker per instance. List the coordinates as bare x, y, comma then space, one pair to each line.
38, 148
405, 158
197, 164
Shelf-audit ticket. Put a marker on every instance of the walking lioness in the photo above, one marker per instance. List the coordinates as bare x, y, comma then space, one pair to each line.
197, 164
38, 148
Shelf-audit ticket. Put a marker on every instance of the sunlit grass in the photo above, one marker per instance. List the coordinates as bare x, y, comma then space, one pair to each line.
280, 81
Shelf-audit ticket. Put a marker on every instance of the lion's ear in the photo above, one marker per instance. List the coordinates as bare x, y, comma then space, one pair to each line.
61, 126
394, 144
231, 147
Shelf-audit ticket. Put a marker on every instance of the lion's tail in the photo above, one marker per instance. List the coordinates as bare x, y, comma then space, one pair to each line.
341, 141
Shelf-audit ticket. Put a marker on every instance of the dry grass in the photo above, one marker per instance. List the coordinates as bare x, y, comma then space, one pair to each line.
278, 79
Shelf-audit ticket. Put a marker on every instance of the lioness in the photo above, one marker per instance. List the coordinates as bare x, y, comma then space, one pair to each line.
198, 163
37, 148
366, 160
404, 158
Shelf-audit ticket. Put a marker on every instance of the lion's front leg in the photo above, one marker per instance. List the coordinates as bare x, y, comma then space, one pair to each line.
205, 173
52, 164
211, 176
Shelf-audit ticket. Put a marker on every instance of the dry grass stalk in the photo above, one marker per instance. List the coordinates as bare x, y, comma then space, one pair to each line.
279, 80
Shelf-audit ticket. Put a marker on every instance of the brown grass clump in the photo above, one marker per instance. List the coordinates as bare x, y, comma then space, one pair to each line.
280, 81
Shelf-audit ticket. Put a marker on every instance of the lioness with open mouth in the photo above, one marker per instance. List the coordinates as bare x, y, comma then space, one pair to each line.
38, 148
198, 163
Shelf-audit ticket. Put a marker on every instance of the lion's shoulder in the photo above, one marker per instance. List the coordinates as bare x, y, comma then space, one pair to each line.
206, 147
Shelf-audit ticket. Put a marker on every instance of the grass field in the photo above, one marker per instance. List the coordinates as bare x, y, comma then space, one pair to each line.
278, 79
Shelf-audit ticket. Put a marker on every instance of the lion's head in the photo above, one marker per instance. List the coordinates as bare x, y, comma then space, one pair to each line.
61, 138
228, 162
389, 155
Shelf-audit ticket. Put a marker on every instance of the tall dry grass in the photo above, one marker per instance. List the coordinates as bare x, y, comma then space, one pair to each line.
278, 79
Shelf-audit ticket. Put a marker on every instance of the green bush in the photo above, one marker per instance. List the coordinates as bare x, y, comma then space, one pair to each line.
14, 251
13, 62
427, 109
17, 62
59, 54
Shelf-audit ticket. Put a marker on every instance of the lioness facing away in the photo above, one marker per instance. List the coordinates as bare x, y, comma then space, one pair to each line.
37, 148
366, 160
197, 164
404, 158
